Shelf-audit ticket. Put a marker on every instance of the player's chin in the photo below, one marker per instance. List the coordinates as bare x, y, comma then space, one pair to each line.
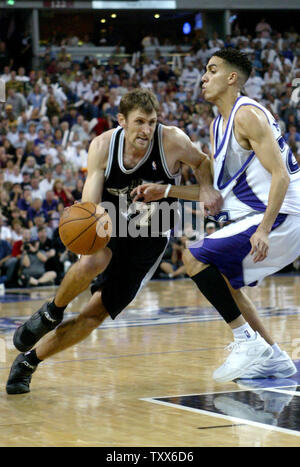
142, 142
207, 96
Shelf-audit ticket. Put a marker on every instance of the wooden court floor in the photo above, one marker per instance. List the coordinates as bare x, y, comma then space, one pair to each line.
145, 379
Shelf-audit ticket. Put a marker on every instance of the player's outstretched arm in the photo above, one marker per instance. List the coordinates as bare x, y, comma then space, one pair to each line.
185, 151
155, 191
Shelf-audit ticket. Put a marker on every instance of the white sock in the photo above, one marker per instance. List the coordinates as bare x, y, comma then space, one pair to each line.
276, 350
244, 332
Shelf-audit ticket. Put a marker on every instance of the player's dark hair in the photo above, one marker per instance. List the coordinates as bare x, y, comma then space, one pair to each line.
237, 59
139, 99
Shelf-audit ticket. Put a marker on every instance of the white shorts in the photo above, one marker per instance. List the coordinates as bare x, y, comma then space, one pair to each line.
228, 249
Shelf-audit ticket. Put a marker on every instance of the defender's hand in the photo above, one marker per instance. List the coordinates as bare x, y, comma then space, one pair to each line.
148, 192
212, 200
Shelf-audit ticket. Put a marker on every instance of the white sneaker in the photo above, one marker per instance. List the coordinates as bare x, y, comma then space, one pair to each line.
244, 354
278, 367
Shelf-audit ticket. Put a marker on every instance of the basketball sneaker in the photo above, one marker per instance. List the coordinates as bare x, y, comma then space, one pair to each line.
244, 354
20, 376
281, 366
39, 324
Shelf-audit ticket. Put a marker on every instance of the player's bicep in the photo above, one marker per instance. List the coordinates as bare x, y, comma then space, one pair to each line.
257, 130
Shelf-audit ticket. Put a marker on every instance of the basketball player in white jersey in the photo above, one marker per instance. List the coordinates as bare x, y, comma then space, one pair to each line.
120, 159
259, 179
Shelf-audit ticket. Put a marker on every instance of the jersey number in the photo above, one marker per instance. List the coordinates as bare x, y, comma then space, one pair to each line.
291, 162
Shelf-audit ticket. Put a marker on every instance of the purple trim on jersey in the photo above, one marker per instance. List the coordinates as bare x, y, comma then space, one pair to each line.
244, 193
226, 130
215, 131
228, 253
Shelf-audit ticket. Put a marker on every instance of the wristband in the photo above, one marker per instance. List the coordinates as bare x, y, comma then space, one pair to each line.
167, 190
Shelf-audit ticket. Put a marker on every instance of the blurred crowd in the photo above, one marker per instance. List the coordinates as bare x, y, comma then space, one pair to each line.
52, 113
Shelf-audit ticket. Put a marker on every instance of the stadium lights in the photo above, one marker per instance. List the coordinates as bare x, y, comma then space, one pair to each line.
10, 2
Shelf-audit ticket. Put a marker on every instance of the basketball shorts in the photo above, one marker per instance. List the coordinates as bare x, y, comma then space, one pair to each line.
133, 263
228, 249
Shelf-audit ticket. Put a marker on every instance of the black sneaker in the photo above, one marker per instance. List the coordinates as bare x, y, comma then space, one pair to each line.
39, 324
20, 376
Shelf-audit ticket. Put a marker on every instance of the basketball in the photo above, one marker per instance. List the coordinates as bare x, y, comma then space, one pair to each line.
85, 228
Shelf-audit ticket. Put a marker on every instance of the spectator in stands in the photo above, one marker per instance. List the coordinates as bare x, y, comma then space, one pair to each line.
210, 228
172, 264
25, 201
40, 220
49, 204
36, 192
5, 233
263, 28
17, 101
16, 230
190, 76
33, 271
31, 133
35, 209
77, 192
61, 193
48, 245
35, 97
8, 264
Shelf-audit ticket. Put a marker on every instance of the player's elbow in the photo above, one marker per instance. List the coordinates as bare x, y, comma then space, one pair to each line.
283, 179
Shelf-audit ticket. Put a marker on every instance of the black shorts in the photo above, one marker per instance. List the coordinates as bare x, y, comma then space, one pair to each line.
133, 263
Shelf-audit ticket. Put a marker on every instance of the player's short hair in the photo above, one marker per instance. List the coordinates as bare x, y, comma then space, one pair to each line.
237, 59
139, 99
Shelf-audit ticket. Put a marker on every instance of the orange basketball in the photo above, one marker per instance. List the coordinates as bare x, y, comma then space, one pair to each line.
85, 228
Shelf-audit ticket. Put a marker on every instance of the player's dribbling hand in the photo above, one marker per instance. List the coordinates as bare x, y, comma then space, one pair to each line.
148, 192
212, 200
260, 246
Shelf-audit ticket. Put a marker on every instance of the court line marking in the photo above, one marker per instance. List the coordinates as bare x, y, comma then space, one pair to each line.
224, 417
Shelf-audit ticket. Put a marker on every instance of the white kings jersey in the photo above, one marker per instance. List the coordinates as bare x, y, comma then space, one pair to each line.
240, 177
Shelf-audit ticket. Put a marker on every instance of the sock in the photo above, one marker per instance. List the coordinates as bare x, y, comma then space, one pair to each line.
213, 286
276, 350
56, 312
31, 358
244, 332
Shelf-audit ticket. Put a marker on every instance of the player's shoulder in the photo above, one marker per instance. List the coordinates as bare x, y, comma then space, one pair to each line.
173, 135
102, 141
249, 117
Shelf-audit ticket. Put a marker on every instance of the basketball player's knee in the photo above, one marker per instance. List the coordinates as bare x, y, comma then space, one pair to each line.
93, 318
92, 265
192, 265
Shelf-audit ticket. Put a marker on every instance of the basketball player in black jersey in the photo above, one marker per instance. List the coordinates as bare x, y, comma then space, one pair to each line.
140, 149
